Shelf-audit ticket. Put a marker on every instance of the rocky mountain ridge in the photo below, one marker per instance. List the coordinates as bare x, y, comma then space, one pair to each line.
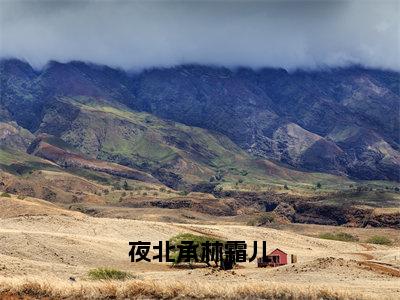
340, 121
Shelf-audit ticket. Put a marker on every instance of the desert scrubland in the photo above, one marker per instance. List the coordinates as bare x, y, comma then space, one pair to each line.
47, 251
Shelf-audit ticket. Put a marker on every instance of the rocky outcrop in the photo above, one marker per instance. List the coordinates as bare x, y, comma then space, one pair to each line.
15, 137
316, 209
286, 116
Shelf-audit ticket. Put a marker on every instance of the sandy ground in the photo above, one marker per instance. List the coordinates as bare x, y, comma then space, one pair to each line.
46, 241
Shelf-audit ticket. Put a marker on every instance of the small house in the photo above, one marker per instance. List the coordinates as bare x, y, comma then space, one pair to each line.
274, 259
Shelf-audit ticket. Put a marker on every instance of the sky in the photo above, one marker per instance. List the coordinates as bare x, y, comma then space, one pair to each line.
143, 34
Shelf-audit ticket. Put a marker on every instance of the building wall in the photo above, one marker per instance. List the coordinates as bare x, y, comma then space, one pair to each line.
282, 256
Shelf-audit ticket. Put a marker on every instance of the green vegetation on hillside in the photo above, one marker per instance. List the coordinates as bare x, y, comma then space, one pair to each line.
150, 143
20, 163
338, 236
380, 240
176, 154
108, 274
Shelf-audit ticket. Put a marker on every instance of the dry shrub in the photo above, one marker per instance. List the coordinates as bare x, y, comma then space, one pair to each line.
34, 289
107, 290
148, 289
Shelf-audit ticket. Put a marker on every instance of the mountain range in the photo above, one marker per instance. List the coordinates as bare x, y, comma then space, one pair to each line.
191, 123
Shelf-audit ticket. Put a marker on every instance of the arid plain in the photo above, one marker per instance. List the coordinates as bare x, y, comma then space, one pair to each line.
48, 250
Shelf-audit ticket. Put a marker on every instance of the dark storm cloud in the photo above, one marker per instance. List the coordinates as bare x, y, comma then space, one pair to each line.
136, 34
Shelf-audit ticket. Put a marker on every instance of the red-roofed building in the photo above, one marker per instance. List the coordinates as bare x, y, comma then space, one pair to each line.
274, 259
